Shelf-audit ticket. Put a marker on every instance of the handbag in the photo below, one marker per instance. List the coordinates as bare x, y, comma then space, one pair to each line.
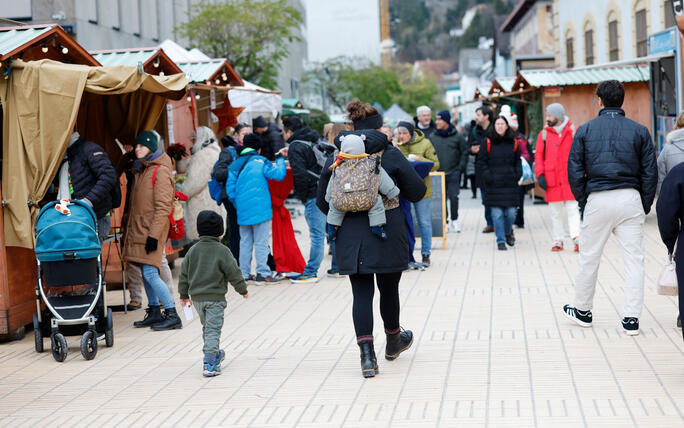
177, 228
667, 280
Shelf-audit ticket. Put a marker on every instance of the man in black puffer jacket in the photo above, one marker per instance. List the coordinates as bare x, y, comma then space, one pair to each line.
613, 175
93, 179
271, 137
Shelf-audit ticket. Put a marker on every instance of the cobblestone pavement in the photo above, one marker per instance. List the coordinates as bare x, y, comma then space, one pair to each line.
492, 348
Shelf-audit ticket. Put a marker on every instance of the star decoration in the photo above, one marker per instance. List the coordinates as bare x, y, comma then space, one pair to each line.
227, 115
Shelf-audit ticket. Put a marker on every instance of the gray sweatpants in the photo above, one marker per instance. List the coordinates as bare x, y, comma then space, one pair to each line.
211, 317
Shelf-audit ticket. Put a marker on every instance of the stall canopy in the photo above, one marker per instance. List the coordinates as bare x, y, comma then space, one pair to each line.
256, 100
44, 101
585, 76
502, 85
214, 71
36, 42
396, 114
153, 60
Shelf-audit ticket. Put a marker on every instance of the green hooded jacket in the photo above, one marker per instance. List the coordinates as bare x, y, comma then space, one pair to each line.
423, 148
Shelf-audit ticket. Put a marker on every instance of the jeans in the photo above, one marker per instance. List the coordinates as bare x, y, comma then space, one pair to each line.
155, 288
134, 280
503, 222
333, 264
488, 210
211, 317
424, 217
453, 188
255, 237
316, 220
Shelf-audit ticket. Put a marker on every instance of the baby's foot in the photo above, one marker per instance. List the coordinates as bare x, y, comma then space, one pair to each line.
380, 232
332, 232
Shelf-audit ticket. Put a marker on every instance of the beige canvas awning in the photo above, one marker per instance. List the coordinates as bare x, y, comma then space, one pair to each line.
42, 103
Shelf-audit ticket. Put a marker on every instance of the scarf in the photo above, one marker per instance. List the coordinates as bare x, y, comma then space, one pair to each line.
445, 132
559, 128
138, 163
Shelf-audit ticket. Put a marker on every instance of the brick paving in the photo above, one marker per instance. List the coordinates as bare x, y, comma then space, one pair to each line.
492, 348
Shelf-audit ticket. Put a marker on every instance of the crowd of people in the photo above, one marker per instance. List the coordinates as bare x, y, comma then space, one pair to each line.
599, 179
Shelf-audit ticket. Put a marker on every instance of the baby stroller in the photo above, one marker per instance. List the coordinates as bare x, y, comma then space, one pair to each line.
70, 280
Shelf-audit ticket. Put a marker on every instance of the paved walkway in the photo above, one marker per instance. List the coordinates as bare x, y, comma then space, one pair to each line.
492, 349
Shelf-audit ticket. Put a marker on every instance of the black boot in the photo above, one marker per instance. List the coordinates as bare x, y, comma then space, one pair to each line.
369, 364
398, 343
152, 315
171, 321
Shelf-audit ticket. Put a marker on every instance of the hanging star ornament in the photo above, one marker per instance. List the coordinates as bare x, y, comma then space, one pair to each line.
227, 115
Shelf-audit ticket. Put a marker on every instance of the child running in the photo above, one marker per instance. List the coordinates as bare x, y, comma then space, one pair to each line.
205, 272
364, 181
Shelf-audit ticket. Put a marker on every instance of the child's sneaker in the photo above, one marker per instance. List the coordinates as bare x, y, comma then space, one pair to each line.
212, 365
379, 231
557, 246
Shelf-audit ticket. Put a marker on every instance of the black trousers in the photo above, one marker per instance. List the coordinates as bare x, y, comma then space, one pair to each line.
473, 185
363, 289
520, 217
233, 231
453, 188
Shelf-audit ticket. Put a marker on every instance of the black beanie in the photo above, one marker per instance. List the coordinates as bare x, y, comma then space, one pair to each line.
209, 224
408, 126
252, 141
259, 122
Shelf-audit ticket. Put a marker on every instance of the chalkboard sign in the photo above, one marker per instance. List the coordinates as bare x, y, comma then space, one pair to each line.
437, 208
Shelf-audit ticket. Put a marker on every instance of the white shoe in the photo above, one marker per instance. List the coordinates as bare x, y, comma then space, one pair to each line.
455, 227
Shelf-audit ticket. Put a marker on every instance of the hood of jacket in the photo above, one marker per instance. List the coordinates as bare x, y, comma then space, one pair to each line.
304, 134
418, 137
675, 137
375, 140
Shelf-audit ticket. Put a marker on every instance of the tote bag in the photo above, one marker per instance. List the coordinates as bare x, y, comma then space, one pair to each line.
667, 280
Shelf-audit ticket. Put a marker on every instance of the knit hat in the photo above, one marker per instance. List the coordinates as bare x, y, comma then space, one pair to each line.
149, 139
407, 126
252, 141
445, 116
510, 117
209, 223
556, 110
353, 144
259, 122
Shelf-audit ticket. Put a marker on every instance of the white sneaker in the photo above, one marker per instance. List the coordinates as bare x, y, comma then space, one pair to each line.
455, 227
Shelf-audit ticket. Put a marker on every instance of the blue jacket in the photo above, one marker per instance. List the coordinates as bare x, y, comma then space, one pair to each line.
248, 191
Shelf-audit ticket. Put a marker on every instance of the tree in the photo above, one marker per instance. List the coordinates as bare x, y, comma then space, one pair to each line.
416, 90
252, 35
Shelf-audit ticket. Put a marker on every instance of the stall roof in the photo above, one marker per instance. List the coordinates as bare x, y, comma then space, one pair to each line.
586, 76
28, 42
503, 84
203, 71
148, 57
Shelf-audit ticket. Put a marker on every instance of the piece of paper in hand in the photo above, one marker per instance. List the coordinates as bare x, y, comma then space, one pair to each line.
189, 315
123, 150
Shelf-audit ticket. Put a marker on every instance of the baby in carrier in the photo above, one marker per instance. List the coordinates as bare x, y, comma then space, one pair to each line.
356, 185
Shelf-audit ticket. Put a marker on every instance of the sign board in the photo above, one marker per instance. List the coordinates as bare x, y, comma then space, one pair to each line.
663, 41
437, 209
552, 91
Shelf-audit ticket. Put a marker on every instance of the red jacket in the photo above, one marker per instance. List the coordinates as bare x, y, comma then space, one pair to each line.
551, 159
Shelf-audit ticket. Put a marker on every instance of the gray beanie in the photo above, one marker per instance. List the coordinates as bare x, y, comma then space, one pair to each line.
353, 144
556, 110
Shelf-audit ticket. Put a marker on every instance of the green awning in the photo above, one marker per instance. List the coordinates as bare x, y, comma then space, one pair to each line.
13, 39
586, 76
132, 57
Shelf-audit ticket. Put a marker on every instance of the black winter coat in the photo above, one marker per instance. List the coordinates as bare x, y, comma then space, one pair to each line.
478, 138
500, 169
452, 151
93, 176
358, 250
220, 170
612, 152
303, 162
271, 142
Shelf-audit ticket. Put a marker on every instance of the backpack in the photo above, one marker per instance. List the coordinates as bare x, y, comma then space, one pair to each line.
489, 145
216, 189
321, 150
355, 183
177, 229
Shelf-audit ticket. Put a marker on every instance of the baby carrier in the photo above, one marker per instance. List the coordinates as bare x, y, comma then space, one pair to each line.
70, 280
355, 183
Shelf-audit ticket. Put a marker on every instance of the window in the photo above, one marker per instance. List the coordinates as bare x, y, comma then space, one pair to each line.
569, 52
613, 46
589, 47
669, 14
641, 33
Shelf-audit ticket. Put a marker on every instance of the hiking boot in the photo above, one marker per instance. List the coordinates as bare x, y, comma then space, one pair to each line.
369, 363
502, 246
152, 315
426, 260
262, 280
133, 305
398, 343
171, 321
305, 279
510, 239
582, 318
557, 246
630, 325
575, 240
488, 229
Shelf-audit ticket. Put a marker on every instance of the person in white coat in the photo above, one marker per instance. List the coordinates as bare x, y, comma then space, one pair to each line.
204, 154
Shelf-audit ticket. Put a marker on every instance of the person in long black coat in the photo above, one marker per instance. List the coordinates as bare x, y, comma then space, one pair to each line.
365, 257
670, 210
500, 167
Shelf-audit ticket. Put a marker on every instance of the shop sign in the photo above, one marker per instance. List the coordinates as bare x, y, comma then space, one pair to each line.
552, 91
662, 42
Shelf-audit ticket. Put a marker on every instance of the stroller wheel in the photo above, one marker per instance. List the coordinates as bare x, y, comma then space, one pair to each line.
37, 334
59, 347
89, 345
109, 331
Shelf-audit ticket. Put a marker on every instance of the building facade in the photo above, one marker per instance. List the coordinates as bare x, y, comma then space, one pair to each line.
531, 30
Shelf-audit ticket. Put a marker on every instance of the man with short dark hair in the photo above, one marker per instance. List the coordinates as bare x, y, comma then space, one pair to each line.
484, 118
613, 175
305, 173
271, 137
